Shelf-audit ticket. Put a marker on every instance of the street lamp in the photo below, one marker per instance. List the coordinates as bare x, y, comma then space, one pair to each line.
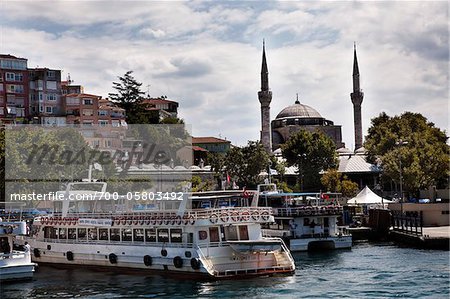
301, 157
401, 143
268, 173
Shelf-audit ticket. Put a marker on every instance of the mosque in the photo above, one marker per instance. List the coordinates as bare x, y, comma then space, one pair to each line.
299, 116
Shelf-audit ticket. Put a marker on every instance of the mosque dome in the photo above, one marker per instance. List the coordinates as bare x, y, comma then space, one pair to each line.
299, 111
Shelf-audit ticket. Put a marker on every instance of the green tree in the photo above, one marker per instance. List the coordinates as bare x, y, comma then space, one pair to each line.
129, 96
311, 153
423, 151
333, 181
244, 164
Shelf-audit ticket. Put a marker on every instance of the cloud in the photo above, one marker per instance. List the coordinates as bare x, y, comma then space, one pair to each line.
208, 56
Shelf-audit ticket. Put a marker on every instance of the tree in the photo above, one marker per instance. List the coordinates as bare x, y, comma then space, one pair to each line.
129, 97
311, 153
244, 164
333, 181
423, 152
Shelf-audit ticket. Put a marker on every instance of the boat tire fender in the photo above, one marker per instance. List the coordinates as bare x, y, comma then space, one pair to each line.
163, 252
113, 258
36, 252
148, 260
178, 262
195, 263
69, 255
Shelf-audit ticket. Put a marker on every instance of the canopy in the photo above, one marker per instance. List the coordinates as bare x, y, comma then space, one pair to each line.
366, 197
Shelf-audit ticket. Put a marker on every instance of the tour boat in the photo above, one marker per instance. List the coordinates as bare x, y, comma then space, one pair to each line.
217, 235
306, 221
14, 265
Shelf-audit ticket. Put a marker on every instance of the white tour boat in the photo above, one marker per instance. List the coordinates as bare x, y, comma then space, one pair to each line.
216, 235
14, 265
306, 221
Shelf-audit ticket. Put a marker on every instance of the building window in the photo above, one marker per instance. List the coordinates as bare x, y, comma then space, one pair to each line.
103, 123
10, 76
72, 101
51, 97
445, 212
51, 74
48, 109
87, 102
88, 112
18, 77
102, 113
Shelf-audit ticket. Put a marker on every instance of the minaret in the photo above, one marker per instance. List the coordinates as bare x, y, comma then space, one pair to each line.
357, 97
265, 97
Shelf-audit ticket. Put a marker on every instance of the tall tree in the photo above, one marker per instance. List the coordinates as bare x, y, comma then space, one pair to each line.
129, 97
244, 164
311, 153
414, 143
333, 181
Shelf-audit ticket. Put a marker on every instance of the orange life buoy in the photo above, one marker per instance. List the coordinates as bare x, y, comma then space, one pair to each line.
235, 216
265, 215
224, 217
255, 215
213, 218
245, 216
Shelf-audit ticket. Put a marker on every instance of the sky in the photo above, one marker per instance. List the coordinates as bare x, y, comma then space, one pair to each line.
207, 55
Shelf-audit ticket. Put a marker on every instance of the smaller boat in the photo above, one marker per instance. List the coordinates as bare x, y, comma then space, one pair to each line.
14, 264
306, 221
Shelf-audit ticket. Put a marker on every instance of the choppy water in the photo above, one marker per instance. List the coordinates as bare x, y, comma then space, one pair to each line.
366, 271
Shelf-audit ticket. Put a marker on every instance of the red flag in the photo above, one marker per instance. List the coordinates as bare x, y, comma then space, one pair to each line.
228, 178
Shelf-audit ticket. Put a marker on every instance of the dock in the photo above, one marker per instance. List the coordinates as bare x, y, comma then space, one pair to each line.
430, 238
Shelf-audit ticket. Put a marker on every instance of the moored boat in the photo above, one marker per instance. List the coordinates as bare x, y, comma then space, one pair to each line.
216, 235
14, 264
307, 221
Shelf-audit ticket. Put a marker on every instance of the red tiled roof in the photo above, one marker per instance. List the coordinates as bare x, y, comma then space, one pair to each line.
198, 149
158, 101
208, 140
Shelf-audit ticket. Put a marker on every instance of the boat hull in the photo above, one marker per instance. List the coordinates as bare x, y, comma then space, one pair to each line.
313, 244
215, 262
17, 272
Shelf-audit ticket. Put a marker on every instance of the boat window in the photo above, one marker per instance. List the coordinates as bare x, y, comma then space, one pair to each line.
138, 235
150, 235
72, 233
62, 233
243, 232
103, 234
54, 233
127, 234
305, 221
214, 234
202, 235
231, 233
222, 233
92, 234
114, 234
175, 235
81, 234
163, 235
326, 222
47, 232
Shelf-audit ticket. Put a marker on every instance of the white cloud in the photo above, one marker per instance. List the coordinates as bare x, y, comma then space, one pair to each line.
208, 57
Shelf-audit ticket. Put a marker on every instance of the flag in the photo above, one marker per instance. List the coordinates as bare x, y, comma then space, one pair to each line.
228, 178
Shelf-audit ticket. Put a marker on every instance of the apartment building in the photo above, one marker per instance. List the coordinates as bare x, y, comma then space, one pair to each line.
14, 90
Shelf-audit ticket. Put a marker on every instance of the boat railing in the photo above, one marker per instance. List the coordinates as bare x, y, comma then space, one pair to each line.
206, 261
127, 243
215, 215
308, 211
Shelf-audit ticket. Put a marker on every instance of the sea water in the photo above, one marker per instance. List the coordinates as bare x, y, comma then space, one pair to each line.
365, 271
